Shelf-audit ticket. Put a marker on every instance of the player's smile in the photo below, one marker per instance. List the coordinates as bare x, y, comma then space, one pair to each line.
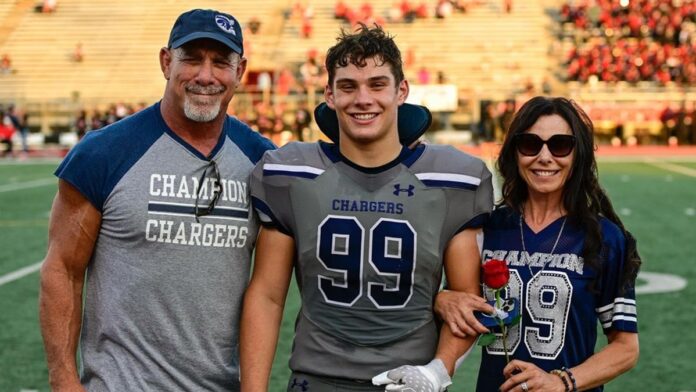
366, 100
364, 116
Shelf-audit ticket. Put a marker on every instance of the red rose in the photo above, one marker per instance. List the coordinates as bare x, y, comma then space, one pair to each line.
495, 274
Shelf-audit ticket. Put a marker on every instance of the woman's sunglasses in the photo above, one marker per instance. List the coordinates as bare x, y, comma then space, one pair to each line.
529, 144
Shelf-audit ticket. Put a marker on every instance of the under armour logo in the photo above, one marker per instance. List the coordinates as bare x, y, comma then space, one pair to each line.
303, 386
398, 189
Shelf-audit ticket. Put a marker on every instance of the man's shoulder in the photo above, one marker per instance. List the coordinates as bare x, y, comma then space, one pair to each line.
123, 136
250, 142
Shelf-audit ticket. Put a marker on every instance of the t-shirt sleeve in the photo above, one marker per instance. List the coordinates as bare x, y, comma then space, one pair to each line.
617, 304
84, 170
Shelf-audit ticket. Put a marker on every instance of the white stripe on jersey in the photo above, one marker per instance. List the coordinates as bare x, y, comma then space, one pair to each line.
620, 300
610, 312
451, 177
193, 205
292, 168
619, 317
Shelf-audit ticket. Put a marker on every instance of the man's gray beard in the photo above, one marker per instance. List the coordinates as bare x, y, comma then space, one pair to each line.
200, 113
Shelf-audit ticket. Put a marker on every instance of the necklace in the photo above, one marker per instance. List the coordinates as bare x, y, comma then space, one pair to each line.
524, 248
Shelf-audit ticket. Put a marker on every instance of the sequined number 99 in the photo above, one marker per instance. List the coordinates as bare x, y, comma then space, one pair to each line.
547, 300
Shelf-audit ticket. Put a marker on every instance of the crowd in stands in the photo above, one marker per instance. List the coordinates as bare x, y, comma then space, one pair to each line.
495, 118
301, 16
279, 122
632, 41
645, 122
98, 119
403, 11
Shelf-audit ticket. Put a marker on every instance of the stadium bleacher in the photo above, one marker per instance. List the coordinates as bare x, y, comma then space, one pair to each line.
490, 55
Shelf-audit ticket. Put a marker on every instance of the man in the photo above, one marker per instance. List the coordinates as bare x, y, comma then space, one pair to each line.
369, 223
155, 209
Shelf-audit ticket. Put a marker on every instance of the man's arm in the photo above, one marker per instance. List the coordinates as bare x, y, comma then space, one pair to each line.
73, 230
463, 269
263, 307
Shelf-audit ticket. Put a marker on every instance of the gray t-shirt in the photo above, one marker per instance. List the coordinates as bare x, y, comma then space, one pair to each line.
163, 291
370, 245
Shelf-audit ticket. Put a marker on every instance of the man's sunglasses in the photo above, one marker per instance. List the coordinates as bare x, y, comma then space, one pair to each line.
529, 144
216, 190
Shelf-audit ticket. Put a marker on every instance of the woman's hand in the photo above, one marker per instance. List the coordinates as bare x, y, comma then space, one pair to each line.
525, 376
457, 310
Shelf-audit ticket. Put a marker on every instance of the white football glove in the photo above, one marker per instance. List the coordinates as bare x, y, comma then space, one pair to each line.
432, 377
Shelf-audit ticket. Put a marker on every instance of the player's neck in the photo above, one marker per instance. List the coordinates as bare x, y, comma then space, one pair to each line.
372, 154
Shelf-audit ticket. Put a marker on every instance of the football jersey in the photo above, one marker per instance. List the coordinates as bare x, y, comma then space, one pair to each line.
164, 290
369, 246
559, 310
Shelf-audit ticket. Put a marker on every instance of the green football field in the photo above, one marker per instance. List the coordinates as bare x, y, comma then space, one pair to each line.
656, 199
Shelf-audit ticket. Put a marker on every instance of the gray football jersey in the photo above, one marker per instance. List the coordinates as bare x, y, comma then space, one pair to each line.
370, 246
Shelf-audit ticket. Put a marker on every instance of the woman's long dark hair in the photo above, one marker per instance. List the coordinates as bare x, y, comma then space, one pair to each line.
583, 198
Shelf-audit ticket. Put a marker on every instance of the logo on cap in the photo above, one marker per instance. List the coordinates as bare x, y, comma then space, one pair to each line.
225, 24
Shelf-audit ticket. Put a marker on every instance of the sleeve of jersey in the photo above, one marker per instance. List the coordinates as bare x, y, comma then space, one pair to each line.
617, 305
478, 212
270, 198
86, 170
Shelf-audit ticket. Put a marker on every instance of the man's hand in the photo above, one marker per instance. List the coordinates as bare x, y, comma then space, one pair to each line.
457, 310
432, 377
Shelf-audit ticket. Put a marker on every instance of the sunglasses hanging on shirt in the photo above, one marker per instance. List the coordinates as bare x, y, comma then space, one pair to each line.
529, 144
215, 189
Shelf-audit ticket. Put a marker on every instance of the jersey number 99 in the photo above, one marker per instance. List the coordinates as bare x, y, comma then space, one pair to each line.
392, 254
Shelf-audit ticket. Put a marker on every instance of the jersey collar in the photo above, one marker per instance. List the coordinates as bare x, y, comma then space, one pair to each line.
406, 156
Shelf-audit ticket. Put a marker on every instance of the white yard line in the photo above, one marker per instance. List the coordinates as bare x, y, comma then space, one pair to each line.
29, 184
657, 283
30, 161
673, 168
20, 273
643, 158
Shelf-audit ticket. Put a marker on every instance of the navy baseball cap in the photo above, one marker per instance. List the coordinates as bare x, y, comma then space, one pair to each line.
211, 24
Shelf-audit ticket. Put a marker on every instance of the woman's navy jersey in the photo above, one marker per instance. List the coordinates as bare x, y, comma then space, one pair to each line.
559, 310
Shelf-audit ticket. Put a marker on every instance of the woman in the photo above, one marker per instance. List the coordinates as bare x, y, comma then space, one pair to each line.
572, 263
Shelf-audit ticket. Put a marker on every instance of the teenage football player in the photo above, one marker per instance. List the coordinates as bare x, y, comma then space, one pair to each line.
367, 224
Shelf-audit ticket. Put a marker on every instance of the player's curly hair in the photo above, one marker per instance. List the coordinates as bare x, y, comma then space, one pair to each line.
583, 197
365, 43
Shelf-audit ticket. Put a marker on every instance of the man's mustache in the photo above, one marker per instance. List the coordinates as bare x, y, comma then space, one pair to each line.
209, 90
